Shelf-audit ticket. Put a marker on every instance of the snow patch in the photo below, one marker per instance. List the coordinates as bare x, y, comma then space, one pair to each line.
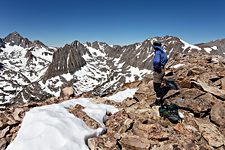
136, 72
67, 76
122, 95
177, 66
214, 47
138, 46
96, 52
208, 50
187, 45
52, 127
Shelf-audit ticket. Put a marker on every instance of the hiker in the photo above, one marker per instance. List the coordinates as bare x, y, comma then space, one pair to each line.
2, 43
159, 61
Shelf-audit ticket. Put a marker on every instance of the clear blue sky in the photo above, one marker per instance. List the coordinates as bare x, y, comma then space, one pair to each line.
57, 22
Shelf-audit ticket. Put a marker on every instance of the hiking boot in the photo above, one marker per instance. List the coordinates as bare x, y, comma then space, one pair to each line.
158, 101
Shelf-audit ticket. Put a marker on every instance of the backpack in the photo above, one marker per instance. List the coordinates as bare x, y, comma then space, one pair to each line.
170, 112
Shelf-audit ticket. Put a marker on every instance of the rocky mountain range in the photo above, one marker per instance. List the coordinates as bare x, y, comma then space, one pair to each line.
138, 125
34, 71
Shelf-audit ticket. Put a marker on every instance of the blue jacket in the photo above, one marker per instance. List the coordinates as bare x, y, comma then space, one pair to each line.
2, 43
160, 59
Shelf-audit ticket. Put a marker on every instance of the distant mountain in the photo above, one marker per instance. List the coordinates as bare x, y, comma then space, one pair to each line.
66, 60
41, 72
214, 47
25, 62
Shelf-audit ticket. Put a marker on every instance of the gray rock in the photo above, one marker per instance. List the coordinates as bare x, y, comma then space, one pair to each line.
66, 60
135, 142
217, 113
213, 90
210, 133
3, 144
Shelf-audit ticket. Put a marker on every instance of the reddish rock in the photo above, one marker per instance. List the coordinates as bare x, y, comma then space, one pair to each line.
211, 133
134, 142
223, 83
150, 131
77, 111
213, 90
217, 113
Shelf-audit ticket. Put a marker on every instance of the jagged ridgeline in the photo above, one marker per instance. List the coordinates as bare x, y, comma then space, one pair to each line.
34, 71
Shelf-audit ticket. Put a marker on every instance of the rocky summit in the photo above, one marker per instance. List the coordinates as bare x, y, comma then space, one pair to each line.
137, 125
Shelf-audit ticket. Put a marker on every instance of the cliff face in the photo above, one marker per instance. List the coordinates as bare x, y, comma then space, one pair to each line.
66, 60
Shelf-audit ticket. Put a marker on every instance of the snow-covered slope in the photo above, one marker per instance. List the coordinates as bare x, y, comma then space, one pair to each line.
104, 70
23, 66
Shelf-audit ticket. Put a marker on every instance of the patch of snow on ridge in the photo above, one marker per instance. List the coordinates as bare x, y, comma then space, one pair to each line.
187, 45
138, 46
52, 127
177, 66
208, 50
214, 47
96, 52
122, 95
67, 76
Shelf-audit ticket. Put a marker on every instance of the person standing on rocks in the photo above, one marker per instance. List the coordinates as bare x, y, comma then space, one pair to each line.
159, 61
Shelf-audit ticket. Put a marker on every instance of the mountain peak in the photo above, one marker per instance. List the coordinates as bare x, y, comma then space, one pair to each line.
14, 35
75, 43
39, 43
15, 38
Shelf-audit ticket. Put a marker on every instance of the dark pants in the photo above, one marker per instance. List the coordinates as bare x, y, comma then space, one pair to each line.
157, 80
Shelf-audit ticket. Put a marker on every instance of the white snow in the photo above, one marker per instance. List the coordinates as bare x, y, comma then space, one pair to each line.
138, 46
208, 50
8, 88
96, 52
39, 52
214, 47
67, 76
170, 52
122, 95
52, 127
53, 82
136, 72
177, 66
187, 45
